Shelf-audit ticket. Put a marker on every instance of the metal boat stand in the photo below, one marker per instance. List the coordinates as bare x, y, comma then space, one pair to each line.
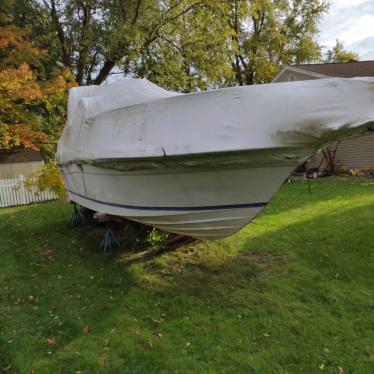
109, 239
77, 218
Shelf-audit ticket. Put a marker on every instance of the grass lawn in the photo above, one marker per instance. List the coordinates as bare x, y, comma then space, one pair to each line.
291, 293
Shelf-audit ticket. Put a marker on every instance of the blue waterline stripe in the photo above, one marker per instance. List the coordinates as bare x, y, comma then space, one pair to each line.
176, 209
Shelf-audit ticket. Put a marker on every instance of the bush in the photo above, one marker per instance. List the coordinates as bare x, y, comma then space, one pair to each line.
49, 177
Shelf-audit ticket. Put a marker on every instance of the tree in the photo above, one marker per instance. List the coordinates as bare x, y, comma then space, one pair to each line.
268, 34
181, 44
339, 54
192, 53
32, 108
96, 35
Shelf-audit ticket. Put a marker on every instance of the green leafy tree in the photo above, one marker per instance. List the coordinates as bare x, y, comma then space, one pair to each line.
194, 52
268, 34
181, 44
94, 36
339, 54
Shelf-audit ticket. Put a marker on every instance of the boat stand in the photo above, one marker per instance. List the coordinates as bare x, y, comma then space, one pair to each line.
109, 240
77, 218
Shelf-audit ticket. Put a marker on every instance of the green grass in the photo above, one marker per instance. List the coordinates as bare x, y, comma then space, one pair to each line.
291, 293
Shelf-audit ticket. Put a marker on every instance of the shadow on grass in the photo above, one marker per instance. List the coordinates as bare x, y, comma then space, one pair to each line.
330, 246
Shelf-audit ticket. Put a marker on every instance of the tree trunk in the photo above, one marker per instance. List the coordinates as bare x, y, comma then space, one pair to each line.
104, 72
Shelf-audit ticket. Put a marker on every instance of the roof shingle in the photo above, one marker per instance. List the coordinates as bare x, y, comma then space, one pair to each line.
19, 155
343, 69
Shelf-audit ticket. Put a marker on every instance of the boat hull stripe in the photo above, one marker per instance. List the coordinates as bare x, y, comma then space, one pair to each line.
174, 209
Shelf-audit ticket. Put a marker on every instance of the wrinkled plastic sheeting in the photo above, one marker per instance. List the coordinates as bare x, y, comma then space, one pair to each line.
133, 118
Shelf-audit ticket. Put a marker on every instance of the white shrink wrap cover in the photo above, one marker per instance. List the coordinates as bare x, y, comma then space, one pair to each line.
134, 118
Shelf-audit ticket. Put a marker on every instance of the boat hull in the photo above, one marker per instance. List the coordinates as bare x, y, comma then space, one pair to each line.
201, 203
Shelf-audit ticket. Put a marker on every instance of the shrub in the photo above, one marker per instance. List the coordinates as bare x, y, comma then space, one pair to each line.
49, 177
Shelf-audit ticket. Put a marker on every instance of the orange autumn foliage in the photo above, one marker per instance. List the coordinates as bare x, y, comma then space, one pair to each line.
32, 108
16, 49
20, 135
18, 90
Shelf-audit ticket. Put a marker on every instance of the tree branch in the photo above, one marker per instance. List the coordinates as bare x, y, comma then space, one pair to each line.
60, 32
171, 19
177, 47
91, 68
83, 46
137, 11
104, 71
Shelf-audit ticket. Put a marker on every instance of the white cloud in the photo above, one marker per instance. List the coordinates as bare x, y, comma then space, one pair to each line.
365, 47
352, 22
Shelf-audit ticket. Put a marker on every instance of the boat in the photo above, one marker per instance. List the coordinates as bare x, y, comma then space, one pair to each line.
202, 164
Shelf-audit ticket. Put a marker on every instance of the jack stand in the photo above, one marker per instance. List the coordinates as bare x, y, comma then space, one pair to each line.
109, 240
77, 217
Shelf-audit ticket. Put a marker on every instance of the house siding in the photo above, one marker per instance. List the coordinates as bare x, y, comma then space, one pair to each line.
352, 153
14, 170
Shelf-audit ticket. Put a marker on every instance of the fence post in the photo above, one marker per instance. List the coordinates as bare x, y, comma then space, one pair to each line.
22, 190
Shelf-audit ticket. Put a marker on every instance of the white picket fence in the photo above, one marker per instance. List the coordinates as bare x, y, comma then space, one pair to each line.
15, 192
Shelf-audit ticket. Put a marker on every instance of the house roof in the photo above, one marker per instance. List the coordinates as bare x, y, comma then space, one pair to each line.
343, 69
19, 155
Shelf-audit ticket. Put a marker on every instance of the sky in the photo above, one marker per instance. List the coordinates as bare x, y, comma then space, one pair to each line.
352, 22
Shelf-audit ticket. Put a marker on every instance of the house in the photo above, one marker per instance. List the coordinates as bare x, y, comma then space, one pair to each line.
19, 162
351, 153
